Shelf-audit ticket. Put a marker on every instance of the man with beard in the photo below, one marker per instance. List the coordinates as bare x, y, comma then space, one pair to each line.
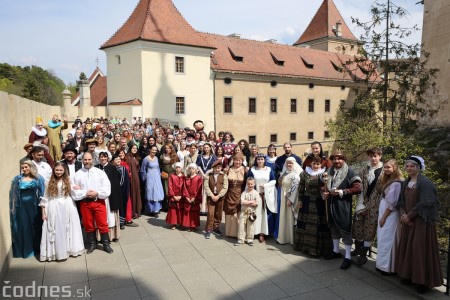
44, 169
79, 140
342, 184
91, 187
279, 162
70, 159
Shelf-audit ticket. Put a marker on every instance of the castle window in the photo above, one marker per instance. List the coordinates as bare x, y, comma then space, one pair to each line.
251, 105
327, 105
311, 105
179, 64
180, 106
293, 136
274, 138
273, 105
293, 106
228, 105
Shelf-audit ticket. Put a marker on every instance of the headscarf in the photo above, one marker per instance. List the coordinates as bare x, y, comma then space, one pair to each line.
297, 169
418, 161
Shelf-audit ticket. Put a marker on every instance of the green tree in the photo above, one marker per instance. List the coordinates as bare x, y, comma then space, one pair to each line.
393, 87
31, 82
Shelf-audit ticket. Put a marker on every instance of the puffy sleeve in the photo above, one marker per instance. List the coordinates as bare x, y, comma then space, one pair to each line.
105, 186
391, 197
45, 198
77, 194
224, 187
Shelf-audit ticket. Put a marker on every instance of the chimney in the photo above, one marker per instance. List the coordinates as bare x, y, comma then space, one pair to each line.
235, 35
85, 93
338, 30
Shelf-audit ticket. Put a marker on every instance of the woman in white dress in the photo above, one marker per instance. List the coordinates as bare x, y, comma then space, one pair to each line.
61, 231
289, 180
262, 175
388, 218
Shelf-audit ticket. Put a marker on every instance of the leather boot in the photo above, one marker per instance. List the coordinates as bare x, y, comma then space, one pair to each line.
92, 245
358, 246
362, 259
105, 242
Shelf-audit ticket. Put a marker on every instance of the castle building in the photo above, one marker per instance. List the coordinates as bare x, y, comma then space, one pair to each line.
264, 92
436, 41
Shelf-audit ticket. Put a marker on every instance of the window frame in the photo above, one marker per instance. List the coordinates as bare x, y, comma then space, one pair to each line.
249, 105
275, 100
291, 106
309, 105
273, 138
176, 105
183, 65
327, 105
225, 105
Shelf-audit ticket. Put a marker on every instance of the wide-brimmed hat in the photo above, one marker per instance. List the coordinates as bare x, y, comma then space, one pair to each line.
338, 153
90, 141
70, 147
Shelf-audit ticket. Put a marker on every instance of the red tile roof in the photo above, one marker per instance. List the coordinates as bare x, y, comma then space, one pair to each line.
322, 24
97, 83
134, 101
258, 60
157, 21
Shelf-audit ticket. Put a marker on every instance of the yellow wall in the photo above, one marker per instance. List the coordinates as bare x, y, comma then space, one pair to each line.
147, 72
17, 116
264, 123
124, 79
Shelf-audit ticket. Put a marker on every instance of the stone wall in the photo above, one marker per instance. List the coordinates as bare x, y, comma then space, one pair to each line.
17, 116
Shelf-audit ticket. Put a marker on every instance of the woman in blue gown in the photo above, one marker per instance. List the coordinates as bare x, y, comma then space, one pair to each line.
151, 175
25, 213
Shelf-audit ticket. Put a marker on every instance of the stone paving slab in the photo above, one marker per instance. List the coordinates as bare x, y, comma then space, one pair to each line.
153, 262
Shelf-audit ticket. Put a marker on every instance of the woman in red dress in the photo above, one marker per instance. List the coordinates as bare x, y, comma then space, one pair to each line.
175, 195
192, 198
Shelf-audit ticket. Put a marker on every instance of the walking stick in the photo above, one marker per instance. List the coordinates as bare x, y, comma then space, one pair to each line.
325, 179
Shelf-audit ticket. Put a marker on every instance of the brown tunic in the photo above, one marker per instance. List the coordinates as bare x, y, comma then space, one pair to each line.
417, 256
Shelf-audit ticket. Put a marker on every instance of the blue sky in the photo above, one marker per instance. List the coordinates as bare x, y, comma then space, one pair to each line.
64, 36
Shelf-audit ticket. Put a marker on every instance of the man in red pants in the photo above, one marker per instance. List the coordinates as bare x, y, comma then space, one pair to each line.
91, 188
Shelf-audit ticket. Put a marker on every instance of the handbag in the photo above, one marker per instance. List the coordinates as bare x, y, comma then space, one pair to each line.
252, 217
164, 175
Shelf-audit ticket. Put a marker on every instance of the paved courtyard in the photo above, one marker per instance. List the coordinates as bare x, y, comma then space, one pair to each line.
154, 262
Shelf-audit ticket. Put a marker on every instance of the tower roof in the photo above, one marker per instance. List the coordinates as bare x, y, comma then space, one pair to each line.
157, 21
322, 24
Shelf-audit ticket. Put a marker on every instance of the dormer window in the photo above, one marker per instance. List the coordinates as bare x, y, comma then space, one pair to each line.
277, 61
235, 56
336, 67
307, 64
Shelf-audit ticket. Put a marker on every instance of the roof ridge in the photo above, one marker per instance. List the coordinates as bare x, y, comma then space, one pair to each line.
319, 28
120, 27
